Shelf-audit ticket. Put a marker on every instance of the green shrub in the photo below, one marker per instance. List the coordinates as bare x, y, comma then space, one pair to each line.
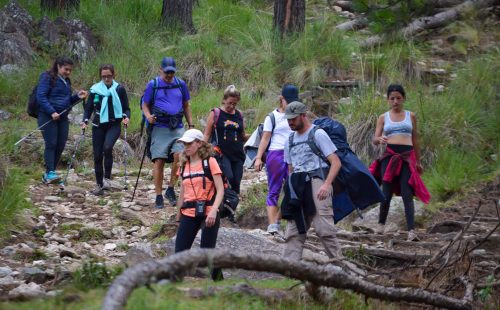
93, 274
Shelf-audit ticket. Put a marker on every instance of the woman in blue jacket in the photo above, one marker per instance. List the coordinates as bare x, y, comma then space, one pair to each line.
54, 96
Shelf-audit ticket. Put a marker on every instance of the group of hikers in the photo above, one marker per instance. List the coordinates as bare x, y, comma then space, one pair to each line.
311, 163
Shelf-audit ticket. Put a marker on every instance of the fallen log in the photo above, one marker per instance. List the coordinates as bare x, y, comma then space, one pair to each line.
435, 21
173, 267
355, 24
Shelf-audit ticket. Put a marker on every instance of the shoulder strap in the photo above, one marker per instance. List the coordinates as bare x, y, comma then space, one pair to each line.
290, 140
273, 121
206, 169
312, 144
180, 87
155, 89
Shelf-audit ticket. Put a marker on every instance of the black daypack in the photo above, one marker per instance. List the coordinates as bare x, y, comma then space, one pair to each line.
231, 199
145, 123
33, 107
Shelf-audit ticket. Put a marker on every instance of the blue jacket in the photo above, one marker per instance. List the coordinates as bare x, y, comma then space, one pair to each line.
56, 97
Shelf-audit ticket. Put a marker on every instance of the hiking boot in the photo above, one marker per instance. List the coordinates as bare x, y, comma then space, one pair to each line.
412, 236
273, 228
159, 202
98, 190
170, 195
50, 177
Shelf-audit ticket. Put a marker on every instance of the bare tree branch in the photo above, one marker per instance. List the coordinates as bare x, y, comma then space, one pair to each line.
435, 21
173, 267
354, 24
444, 249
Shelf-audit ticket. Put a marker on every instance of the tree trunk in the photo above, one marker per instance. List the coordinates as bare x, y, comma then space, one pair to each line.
178, 14
57, 5
289, 16
175, 266
435, 21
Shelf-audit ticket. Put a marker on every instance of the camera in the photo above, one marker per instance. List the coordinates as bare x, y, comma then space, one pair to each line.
200, 209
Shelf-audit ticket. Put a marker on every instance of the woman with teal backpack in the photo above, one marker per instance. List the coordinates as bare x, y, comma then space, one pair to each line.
109, 102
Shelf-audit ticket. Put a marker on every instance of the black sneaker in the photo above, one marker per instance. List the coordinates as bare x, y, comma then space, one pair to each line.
98, 190
159, 202
170, 195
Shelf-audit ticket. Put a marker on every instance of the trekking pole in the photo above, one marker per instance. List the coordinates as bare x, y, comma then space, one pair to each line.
139, 173
82, 136
47, 122
125, 186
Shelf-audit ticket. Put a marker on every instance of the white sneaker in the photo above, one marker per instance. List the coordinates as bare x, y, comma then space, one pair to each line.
379, 229
412, 236
106, 184
273, 228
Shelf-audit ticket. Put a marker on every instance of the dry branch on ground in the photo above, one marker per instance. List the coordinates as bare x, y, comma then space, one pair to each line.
175, 266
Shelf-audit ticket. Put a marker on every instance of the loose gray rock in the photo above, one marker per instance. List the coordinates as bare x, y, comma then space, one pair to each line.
135, 256
4, 115
8, 283
34, 274
27, 291
5, 271
67, 252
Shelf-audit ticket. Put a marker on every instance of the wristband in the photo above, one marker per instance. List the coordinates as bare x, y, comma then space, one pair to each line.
191, 126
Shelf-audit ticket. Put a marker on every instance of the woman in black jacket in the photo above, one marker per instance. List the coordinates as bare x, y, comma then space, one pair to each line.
108, 102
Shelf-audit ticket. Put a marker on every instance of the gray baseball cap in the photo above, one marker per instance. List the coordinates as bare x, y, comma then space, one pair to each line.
294, 109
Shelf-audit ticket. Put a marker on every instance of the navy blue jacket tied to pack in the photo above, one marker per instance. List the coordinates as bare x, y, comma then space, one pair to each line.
298, 200
355, 186
54, 96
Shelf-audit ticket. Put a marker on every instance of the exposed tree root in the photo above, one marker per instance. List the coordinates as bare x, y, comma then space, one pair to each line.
174, 267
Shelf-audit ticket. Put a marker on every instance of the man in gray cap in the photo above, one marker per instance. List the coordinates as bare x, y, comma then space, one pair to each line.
308, 196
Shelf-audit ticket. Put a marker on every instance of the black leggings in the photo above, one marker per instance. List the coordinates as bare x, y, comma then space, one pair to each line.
188, 228
233, 169
103, 139
406, 189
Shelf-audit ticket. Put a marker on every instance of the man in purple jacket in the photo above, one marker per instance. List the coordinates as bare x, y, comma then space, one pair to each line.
165, 103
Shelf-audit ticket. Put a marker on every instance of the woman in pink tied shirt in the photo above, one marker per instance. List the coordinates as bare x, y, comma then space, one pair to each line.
399, 168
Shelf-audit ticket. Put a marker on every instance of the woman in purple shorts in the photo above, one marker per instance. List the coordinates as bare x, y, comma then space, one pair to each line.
273, 141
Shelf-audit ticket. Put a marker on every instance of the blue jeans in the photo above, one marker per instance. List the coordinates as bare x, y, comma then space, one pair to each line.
55, 135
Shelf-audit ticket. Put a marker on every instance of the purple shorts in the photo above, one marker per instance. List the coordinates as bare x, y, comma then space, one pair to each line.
277, 171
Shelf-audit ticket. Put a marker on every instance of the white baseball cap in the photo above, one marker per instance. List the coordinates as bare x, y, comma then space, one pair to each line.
191, 135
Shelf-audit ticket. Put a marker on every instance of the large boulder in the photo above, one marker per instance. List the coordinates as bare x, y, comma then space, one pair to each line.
73, 36
396, 219
15, 28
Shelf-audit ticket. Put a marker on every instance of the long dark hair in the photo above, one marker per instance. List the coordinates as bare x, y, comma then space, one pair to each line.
60, 61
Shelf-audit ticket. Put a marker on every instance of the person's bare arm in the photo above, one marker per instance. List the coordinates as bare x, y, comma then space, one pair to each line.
325, 189
210, 126
378, 138
187, 112
264, 142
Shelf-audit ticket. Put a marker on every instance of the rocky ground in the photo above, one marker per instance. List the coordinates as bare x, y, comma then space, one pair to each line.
70, 226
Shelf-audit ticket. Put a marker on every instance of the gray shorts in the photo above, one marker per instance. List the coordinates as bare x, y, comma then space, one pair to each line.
161, 138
